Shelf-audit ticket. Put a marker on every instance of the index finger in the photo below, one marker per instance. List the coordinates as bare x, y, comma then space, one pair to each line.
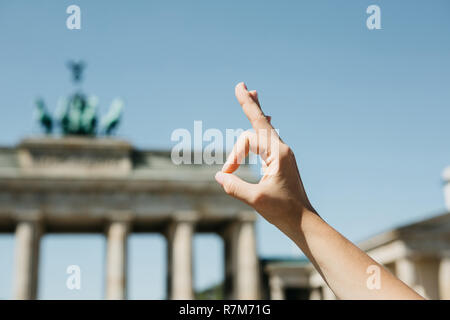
251, 108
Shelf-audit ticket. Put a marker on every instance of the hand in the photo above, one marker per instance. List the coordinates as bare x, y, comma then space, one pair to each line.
281, 199
279, 196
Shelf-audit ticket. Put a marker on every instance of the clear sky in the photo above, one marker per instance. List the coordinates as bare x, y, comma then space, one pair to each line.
366, 112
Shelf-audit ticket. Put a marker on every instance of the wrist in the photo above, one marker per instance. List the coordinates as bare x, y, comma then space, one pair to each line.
297, 221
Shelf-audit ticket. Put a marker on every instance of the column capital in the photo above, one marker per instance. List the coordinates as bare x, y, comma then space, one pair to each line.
445, 254
29, 215
184, 216
247, 216
237, 220
125, 216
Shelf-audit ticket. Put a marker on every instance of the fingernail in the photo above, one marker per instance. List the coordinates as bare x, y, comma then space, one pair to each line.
220, 176
245, 86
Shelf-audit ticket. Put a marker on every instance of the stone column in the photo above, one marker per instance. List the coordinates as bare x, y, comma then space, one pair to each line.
28, 234
428, 268
241, 260
315, 294
328, 294
276, 288
116, 259
406, 271
444, 278
179, 253
421, 274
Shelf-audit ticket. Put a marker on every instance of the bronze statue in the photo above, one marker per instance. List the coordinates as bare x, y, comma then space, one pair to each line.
78, 114
43, 116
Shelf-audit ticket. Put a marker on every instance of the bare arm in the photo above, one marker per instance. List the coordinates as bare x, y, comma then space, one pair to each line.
281, 199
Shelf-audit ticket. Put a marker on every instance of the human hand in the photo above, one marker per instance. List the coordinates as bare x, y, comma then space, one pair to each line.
279, 196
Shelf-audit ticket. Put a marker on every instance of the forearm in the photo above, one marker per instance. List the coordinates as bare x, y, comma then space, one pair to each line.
342, 264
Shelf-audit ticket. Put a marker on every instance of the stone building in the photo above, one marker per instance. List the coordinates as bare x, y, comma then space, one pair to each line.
103, 185
417, 253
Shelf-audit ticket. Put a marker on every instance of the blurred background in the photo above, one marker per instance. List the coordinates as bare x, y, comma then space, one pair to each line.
366, 112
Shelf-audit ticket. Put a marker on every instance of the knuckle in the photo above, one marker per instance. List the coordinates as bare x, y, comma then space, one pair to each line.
285, 151
259, 120
249, 102
258, 198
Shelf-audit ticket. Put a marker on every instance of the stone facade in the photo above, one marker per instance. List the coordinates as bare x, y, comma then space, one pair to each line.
75, 184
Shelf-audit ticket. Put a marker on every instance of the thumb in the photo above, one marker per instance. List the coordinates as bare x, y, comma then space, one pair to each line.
235, 186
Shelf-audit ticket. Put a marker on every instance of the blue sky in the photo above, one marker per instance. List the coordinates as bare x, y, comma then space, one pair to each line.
366, 112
